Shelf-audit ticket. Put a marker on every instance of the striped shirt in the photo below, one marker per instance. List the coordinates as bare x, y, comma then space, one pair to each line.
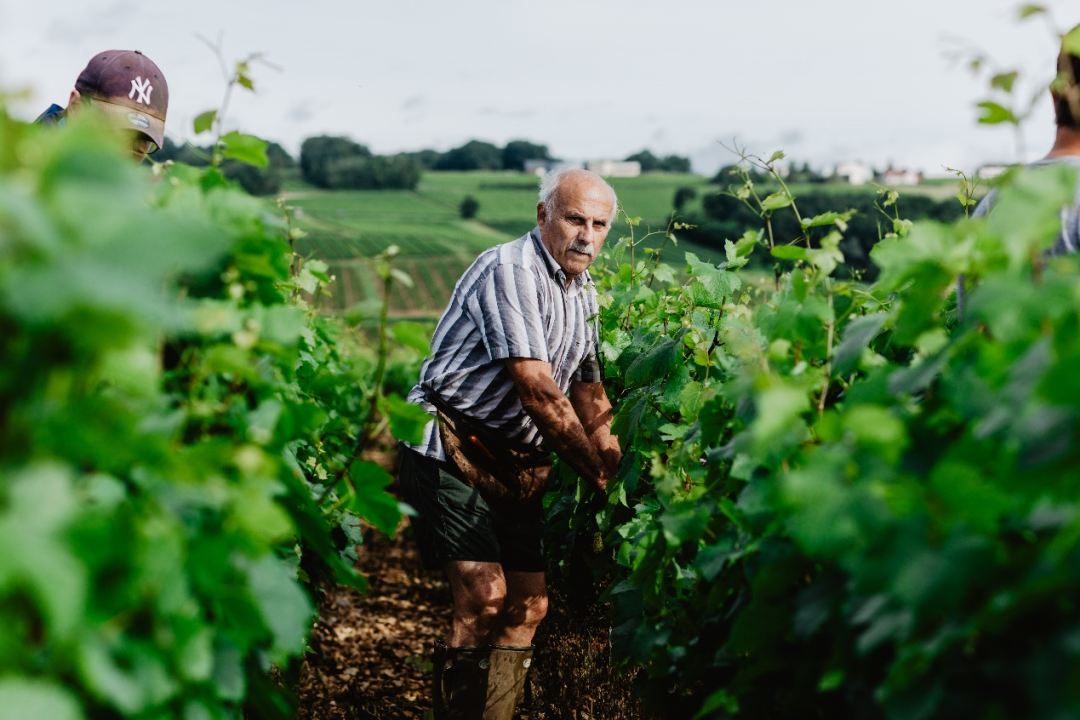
512, 302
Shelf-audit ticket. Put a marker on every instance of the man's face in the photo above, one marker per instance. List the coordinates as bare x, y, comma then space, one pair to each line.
574, 231
140, 144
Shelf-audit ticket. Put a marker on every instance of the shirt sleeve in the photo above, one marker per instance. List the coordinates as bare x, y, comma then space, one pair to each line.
506, 307
589, 369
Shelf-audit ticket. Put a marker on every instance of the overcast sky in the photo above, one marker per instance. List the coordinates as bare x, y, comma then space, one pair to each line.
824, 80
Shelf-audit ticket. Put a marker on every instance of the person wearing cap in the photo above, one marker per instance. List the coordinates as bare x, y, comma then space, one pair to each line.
129, 90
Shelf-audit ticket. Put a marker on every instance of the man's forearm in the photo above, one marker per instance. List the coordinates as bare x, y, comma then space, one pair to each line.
594, 410
564, 434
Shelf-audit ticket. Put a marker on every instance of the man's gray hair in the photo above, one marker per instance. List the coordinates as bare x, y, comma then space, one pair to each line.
549, 185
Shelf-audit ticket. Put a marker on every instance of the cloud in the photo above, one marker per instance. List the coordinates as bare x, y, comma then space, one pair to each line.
516, 114
72, 29
416, 102
301, 111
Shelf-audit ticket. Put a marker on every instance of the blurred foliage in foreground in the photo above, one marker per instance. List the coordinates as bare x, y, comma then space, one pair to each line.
840, 499
179, 436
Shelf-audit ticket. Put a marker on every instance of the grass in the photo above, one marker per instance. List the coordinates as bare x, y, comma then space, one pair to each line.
437, 245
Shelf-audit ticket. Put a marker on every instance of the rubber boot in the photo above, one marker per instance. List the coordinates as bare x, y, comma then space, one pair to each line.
460, 676
506, 681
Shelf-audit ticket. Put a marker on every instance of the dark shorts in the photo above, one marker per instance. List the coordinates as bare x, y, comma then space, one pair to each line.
455, 523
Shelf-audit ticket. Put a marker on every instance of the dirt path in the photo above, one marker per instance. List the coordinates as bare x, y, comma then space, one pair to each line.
370, 653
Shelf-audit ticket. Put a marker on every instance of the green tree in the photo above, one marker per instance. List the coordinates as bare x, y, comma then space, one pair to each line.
427, 158
682, 196
377, 172
517, 152
652, 163
473, 155
469, 207
318, 153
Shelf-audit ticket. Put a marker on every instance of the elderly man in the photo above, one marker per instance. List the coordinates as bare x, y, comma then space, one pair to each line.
513, 376
128, 90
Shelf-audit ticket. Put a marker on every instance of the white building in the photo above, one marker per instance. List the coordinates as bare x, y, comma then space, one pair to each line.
893, 177
614, 168
855, 172
540, 168
989, 172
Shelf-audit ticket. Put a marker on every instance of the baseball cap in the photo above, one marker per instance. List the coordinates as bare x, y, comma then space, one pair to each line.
130, 89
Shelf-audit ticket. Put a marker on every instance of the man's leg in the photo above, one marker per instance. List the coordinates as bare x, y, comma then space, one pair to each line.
479, 590
525, 605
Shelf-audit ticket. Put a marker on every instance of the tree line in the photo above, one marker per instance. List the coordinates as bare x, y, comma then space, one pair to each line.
339, 163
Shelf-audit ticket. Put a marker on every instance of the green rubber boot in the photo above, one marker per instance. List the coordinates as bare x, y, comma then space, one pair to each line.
506, 681
460, 677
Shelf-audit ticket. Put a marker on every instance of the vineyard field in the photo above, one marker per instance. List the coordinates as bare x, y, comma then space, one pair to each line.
346, 228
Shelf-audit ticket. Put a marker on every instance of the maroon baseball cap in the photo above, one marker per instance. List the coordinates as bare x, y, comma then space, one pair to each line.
130, 89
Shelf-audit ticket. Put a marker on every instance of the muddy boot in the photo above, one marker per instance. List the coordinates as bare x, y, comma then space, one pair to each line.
506, 680
460, 676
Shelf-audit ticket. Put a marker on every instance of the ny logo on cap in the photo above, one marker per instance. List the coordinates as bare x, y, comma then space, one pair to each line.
138, 85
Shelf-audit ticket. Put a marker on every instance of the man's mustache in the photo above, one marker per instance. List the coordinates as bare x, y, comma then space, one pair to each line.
582, 248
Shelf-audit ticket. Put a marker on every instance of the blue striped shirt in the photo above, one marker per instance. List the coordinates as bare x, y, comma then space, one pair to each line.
512, 302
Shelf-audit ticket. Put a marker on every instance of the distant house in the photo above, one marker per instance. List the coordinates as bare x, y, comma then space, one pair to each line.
895, 176
990, 171
855, 172
614, 168
539, 167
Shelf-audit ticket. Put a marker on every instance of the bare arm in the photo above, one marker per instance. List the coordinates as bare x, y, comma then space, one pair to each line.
556, 418
594, 410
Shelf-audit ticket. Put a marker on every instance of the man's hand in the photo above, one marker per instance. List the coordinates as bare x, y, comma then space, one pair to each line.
559, 422
594, 410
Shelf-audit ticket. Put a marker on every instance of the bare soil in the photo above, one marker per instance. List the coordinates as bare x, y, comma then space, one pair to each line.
371, 652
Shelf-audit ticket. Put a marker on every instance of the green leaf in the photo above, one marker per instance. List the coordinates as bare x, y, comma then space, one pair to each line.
1027, 11
776, 201
27, 699
789, 252
653, 364
777, 409
1004, 81
402, 277
1071, 42
856, 337
995, 114
828, 256
832, 680
723, 699
246, 149
283, 604
712, 286
205, 121
748, 242
840, 220
407, 421
734, 260
372, 502
413, 335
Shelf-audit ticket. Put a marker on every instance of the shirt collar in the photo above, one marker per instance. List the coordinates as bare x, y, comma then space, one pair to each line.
554, 271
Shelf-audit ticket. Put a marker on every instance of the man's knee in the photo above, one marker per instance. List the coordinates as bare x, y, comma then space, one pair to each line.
482, 606
525, 611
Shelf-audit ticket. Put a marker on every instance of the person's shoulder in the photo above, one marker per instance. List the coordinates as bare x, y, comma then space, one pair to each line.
518, 253
52, 116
